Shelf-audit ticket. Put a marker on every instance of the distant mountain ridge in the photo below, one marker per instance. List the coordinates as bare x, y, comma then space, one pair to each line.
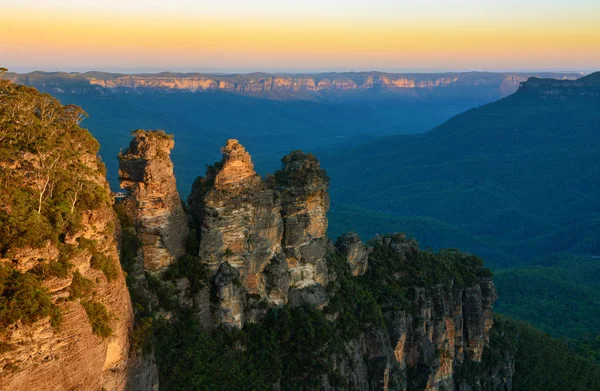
279, 84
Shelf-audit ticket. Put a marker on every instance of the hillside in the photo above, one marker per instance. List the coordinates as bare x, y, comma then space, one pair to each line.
521, 176
558, 294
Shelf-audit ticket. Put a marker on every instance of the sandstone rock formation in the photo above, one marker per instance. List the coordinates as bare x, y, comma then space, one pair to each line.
146, 171
272, 232
353, 249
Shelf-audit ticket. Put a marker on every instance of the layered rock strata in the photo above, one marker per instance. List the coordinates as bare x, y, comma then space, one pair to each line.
146, 171
277, 84
302, 185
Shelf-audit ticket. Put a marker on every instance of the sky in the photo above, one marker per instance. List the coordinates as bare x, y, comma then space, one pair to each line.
301, 35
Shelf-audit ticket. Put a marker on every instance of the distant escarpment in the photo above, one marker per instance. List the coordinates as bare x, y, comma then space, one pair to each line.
280, 85
66, 319
378, 316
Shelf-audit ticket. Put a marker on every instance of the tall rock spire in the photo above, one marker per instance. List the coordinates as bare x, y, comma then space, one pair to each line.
239, 216
146, 171
305, 202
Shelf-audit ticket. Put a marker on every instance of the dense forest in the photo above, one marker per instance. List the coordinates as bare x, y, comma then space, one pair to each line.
526, 166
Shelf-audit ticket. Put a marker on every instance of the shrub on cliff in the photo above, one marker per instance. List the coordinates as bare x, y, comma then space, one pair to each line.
23, 299
300, 169
99, 261
99, 318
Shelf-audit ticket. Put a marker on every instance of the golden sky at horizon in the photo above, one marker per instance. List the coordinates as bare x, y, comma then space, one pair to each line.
69, 37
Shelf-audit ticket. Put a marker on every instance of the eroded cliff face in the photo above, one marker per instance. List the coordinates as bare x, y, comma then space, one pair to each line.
41, 357
448, 324
146, 171
305, 202
585, 87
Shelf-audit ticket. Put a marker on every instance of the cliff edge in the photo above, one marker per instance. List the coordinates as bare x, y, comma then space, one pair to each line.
65, 311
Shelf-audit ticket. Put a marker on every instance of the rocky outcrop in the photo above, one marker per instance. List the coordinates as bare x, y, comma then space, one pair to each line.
354, 251
302, 185
264, 244
146, 171
239, 225
271, 232
239, 218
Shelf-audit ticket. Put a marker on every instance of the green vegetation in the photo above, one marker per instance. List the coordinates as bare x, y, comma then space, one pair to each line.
49, 175
159, 134
150, 134
106, 265
99, 261
303, 169
80, 286
559, 295
23, 299
99, 318
543, 363
190, 267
